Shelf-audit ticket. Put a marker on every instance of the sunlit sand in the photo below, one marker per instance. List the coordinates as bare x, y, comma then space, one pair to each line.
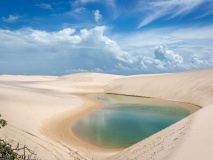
41, 109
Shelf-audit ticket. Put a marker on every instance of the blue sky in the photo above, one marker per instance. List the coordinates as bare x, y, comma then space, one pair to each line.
46, 37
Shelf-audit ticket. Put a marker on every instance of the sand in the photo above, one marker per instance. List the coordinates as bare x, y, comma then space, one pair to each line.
41, 109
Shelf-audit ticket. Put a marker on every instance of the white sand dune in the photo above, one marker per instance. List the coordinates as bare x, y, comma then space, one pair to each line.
189, 139
29, 103
41, 109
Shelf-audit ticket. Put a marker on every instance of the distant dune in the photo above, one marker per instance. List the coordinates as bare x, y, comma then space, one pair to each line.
41, 109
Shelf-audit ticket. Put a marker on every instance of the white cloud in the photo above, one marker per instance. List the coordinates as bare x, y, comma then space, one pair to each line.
29, 51
78, 3
82, 15
45, 6
164, 54
87, 50
184, 41
196, 62
87, 1
11, 18
109, 5
64, 35
169, 8
97, 15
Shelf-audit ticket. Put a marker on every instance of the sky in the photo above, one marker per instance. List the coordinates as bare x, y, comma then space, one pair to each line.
126, 37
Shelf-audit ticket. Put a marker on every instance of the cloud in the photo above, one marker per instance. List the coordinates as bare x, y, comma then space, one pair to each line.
164, 54
45, 6
81, 14
29, 51
11, 18
97, 15
88, 1
183, 41
169, 8
108, 6
63, 50
78, 3
196, 62
167, 58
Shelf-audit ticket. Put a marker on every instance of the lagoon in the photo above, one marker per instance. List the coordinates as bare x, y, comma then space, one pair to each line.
126, 120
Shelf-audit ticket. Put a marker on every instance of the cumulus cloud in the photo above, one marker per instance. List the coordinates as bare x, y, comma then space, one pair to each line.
97, 15
11, 18
29, 51
164, 54
66, 49
197, 62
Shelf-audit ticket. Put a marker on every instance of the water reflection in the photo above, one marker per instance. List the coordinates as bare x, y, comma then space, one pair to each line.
120, 125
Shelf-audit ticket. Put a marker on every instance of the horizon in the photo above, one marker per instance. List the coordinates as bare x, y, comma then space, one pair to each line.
113, 37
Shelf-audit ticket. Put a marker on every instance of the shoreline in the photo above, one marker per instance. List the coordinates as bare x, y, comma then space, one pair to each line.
156, 98
63, 129
90, 104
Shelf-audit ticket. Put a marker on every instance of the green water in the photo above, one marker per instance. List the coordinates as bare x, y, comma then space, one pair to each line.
120, 125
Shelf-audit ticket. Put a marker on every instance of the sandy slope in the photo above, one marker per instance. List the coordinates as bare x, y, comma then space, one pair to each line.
40, 110
189, 139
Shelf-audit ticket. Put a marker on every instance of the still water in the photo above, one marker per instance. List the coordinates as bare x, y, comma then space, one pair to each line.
126, 120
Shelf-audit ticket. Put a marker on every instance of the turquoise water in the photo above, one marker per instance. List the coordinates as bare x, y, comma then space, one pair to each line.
120, 125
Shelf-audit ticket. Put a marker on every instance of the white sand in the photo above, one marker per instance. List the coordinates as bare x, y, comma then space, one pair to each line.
189, 139
34, 106
41, 109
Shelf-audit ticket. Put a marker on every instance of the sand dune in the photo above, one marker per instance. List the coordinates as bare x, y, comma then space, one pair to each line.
28, 103
189, 139
40, 110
